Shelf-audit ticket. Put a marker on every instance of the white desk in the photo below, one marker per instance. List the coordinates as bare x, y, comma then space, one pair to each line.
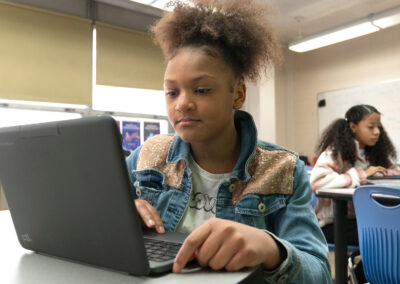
18, 265
340, 197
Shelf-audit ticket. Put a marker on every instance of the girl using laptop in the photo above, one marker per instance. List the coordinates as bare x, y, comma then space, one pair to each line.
351, 149
245, 202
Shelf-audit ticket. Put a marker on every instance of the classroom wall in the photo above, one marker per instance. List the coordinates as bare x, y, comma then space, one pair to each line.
261, 100
367, 59
270, 102
284, 103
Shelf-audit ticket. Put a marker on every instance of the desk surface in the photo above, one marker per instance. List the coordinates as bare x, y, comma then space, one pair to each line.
347, 194
337, 193
18, 265
340, 197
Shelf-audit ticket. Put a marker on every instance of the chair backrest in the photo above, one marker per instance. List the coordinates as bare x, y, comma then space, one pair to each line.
314, 200
378, 232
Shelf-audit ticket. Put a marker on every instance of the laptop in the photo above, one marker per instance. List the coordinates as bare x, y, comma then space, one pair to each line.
384, 177
385, 180
69, 195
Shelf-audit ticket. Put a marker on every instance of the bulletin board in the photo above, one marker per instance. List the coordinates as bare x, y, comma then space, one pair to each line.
385, 96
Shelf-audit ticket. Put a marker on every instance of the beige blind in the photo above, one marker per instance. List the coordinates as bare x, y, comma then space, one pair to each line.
128, 58
44, 56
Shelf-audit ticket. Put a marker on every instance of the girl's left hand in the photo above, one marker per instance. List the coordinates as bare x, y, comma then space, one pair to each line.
221, 243
372, 170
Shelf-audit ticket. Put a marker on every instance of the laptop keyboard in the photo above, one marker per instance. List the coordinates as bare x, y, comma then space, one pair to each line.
160, 251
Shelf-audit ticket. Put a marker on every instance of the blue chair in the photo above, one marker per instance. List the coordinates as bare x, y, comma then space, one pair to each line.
378, 228
314, 200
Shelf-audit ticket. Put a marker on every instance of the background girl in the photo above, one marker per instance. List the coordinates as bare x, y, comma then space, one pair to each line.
350, 150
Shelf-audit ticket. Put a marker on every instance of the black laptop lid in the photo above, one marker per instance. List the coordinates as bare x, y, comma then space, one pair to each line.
68, 191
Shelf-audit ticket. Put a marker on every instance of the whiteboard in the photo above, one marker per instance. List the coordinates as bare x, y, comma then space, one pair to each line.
384, 96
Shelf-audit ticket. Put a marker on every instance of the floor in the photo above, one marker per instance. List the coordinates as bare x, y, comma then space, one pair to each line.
332, 262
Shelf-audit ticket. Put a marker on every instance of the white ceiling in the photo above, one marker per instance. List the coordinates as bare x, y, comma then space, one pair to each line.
299, 18
316, 15
319, 15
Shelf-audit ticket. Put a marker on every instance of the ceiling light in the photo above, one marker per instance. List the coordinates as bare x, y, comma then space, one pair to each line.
160, 4
387, 19
147, 2
355, 29
332, 36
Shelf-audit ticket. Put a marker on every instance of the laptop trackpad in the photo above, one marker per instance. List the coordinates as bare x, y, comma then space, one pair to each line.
174, 237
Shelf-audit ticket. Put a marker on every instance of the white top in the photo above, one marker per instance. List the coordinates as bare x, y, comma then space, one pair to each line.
202, 199
328, 173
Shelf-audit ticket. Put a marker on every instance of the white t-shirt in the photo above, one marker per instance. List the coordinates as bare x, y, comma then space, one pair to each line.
202, 199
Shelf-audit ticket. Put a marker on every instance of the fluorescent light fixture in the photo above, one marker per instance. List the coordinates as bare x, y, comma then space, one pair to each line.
387, 19
160, 4
147, 2
359, 28
333, 36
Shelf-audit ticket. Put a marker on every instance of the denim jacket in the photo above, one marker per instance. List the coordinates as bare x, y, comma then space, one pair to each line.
268, 189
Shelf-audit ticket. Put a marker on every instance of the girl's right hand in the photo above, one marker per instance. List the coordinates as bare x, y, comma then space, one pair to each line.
373, 170
220, 243
149, 215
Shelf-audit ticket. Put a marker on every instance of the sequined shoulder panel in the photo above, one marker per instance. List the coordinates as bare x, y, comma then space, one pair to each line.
153, 155
271, 172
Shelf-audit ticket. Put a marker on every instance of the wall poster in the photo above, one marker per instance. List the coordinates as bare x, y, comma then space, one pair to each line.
151, 129
130, 135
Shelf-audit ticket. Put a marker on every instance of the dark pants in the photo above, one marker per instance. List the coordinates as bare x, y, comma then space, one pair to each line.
351, 232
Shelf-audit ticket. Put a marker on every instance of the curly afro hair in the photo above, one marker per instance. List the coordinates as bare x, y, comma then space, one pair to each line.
237, 29
340, 138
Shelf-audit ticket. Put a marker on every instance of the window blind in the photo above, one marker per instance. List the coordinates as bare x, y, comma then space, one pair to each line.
44, 56
128, 58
